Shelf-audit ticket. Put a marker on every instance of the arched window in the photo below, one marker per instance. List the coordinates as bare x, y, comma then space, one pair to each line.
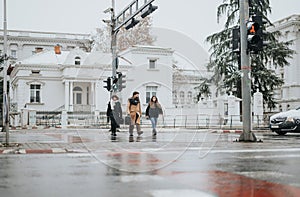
77, 95
189, 97
77, 60
181, 97
175, 99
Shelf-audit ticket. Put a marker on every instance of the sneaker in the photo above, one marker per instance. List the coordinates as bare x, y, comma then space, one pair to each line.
131, 138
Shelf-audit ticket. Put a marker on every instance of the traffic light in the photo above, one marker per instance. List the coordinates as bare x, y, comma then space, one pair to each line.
115, 85
146, 12
133, 23
236, 40
255, 34
108, 83
121, 81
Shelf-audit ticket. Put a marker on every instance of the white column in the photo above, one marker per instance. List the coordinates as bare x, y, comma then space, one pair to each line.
67, 95
92, 97
71, 96
258, 107
233, 110
64, 119
96, 96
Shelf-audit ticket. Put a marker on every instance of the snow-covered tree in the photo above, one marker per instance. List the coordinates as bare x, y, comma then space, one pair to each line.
138, 35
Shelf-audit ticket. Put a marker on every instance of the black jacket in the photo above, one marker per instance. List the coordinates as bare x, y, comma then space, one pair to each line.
116, 113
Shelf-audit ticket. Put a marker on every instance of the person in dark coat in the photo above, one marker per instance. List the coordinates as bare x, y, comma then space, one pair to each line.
114, 114
153, 110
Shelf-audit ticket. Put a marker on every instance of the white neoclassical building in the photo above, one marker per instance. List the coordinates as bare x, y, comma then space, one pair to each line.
23, 44
72, 82
289, 95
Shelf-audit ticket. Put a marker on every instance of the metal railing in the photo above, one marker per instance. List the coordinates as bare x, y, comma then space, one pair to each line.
48, 118
197, 121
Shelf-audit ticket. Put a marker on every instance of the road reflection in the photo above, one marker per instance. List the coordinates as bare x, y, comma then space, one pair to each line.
131, 162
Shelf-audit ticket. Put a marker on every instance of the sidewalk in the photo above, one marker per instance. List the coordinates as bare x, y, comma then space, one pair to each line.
57, 141
38, 141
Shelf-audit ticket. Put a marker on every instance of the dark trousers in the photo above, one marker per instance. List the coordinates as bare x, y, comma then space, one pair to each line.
114, 125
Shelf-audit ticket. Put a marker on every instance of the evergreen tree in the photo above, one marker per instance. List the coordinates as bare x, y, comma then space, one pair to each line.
225, 64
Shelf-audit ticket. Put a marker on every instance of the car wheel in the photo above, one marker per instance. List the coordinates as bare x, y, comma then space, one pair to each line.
281, 132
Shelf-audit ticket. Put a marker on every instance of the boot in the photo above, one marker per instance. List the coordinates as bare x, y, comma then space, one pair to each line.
138, 128
154, 132
113, 132
131, 130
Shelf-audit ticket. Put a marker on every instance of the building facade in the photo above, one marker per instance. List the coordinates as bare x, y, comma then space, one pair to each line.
289, 95
72, 82
23, 44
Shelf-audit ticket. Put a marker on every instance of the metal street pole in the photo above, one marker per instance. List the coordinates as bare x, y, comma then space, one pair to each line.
117, 21
5, 107
247, 134
113, 39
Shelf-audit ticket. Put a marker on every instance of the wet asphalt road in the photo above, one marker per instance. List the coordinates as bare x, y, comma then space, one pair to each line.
185, 164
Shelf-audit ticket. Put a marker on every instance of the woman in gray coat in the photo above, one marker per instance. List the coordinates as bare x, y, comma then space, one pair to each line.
152, 112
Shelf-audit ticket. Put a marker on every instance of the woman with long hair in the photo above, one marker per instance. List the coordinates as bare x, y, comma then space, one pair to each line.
153, 111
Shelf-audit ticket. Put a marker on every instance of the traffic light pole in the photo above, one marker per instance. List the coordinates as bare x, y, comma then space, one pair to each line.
117, 21
5, 106
247, 135
113, 39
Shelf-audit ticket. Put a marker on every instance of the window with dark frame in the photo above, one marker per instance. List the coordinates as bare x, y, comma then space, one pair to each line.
150, 91
13, 53
77, 60
35, 72
35, 93
152, 63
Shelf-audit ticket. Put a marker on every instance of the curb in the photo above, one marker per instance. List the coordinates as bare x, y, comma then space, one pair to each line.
42, 151
34, 151
227, 131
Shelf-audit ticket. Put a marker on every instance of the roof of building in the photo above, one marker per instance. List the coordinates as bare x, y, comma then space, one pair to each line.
68, 57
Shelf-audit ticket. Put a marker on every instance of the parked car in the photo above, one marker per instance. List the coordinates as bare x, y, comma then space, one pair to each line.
286, 122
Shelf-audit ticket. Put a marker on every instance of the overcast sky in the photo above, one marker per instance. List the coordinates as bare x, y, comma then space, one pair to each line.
195, 18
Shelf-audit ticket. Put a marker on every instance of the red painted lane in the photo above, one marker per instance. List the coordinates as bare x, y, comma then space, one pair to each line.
134, 158
37, 151
70, 138
226, 184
